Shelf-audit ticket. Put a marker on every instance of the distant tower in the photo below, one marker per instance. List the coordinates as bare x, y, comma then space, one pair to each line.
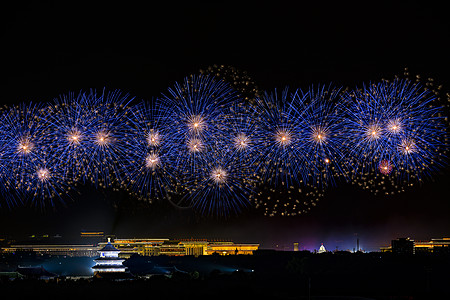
109, 260
322, 249
295, 246
357, 244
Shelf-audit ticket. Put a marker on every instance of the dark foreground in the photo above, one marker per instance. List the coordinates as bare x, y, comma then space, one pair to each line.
266, 275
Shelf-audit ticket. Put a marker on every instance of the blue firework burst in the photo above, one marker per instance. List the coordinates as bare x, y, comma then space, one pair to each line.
318, 121
195, 109
106, 141
225, 187
281, 161
72, 124
396, 133
28, 145
25, 139
149, 159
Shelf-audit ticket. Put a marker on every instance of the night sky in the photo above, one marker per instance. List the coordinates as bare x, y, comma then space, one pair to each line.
51, 49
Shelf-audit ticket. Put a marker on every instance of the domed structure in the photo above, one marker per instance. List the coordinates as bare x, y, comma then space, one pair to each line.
322, 249
109, 261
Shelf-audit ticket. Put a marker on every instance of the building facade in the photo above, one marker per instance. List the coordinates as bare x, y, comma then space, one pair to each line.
143, 247
108, 260
409, 246
56, 250
155, 247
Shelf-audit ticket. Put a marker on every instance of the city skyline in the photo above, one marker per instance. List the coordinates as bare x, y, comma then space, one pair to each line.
139, 56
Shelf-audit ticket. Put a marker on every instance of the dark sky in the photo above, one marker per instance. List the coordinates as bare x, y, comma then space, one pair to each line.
49, 49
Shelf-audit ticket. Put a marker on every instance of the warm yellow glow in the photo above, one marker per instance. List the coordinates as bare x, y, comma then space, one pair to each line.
102, 138
43, 174
394, 126
319, 134
196, 123
219, 175
153, 138
283, 137
195, 145
241, 141
74, 137
152, 161
407, 146
373, 132
25, 146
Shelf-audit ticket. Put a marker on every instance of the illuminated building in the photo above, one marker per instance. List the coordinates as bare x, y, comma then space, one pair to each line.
57, 250
322, 249
88, 234
406, 245
433, 246
143, 247
155, 247
109, 260
295, 246
92, 237
230, 248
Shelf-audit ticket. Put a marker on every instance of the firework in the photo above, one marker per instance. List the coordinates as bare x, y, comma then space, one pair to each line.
219, 146
46, 183
149, 158
28, 148
239, 80
286, 201
284, 157
301, 151
195, 114
106, 140
25, 139
72, 124
316, 113
396, 135
225, 187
